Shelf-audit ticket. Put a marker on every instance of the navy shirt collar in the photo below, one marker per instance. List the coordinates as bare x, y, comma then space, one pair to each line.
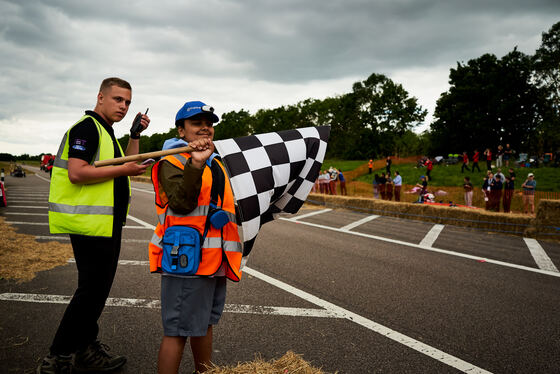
100, 119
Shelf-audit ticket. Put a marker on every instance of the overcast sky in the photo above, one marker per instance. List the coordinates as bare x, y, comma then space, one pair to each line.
233, 55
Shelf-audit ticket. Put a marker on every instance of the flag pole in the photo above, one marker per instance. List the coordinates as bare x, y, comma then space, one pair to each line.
141, 156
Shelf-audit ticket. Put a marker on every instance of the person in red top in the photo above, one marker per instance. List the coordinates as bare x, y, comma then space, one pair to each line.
429, 166
475, 158
465, 162
488, 154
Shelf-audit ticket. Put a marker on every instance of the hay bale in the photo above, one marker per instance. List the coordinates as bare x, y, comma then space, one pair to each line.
466, 217
290, 363
21, 256
547, 222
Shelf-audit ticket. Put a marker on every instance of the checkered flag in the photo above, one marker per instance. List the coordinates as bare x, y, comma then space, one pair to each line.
272, 173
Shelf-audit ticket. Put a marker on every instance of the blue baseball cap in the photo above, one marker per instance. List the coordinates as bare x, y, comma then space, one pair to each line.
192, 108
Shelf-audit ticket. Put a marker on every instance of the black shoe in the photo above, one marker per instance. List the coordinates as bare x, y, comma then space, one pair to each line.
58, 364
95, 358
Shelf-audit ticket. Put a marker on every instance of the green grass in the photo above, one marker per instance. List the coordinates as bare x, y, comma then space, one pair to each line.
548, 178
343, 165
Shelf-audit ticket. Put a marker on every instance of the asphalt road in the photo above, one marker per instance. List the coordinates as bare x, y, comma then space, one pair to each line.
352, 293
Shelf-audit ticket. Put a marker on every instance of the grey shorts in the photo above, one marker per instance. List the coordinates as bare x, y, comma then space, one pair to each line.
189, 305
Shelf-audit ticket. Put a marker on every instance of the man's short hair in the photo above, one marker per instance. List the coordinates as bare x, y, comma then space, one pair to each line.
114, 81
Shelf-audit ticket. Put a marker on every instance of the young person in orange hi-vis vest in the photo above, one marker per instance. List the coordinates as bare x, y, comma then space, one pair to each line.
189, 189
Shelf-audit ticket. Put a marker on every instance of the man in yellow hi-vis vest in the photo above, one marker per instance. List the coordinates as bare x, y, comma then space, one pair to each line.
91, 204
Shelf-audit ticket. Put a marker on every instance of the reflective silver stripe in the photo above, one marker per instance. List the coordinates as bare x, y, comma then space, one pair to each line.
181, 158
80, 209
157, 241
60, 163
61, 146
229, 246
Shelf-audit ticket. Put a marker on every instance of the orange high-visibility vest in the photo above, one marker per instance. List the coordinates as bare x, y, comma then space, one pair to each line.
220, 246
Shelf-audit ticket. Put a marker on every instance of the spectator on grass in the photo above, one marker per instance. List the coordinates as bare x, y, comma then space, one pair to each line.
423, 188
333, 175
486, 189
502, 176
476, 157
370, 165
389, 188
398, 185
465, 162
509, 186
382, 186
342, 181
388, 163
496, 193
529, 187
429, 167
488, 154
468, 187
376, 186
499, 156
508, 153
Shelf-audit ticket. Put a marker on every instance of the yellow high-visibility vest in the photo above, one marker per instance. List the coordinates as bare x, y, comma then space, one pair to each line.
85, 209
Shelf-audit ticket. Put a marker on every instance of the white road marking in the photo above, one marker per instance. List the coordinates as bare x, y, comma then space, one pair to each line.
25, 214
28, 223
432, 235
28, 194
46, 224
142, 190
433, 249
359, 222
55, 238
310, 214
432, 352
145, 224
541, 258
155, 304
29, 206
30, 201
45, 179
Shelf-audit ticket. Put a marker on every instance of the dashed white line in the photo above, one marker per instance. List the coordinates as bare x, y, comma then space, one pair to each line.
359, 222
433, 249
541, 258
29, 206
25, 214
311, 214
145, 224
432, 235
155, 304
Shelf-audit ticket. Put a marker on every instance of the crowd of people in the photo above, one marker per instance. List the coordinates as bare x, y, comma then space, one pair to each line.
499, 189
327, 181
385, 187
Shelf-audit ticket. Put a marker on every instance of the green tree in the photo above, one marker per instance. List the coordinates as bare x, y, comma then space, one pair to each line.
491, 101
233, 124
547, 74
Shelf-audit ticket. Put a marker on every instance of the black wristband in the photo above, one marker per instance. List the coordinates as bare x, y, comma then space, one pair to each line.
135, 136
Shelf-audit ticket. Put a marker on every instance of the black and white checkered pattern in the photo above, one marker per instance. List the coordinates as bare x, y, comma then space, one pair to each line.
272, 173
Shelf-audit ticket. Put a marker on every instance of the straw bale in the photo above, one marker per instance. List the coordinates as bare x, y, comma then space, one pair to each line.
290, 363
467, 217
21, 256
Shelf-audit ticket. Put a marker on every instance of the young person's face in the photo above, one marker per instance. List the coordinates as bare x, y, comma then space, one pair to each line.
113, 103
196, 128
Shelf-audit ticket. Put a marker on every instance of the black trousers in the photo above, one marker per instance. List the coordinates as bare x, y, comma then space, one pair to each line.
96, 259
475, 164
465, 166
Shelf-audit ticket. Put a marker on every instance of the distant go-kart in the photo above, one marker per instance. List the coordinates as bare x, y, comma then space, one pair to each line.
18, 172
